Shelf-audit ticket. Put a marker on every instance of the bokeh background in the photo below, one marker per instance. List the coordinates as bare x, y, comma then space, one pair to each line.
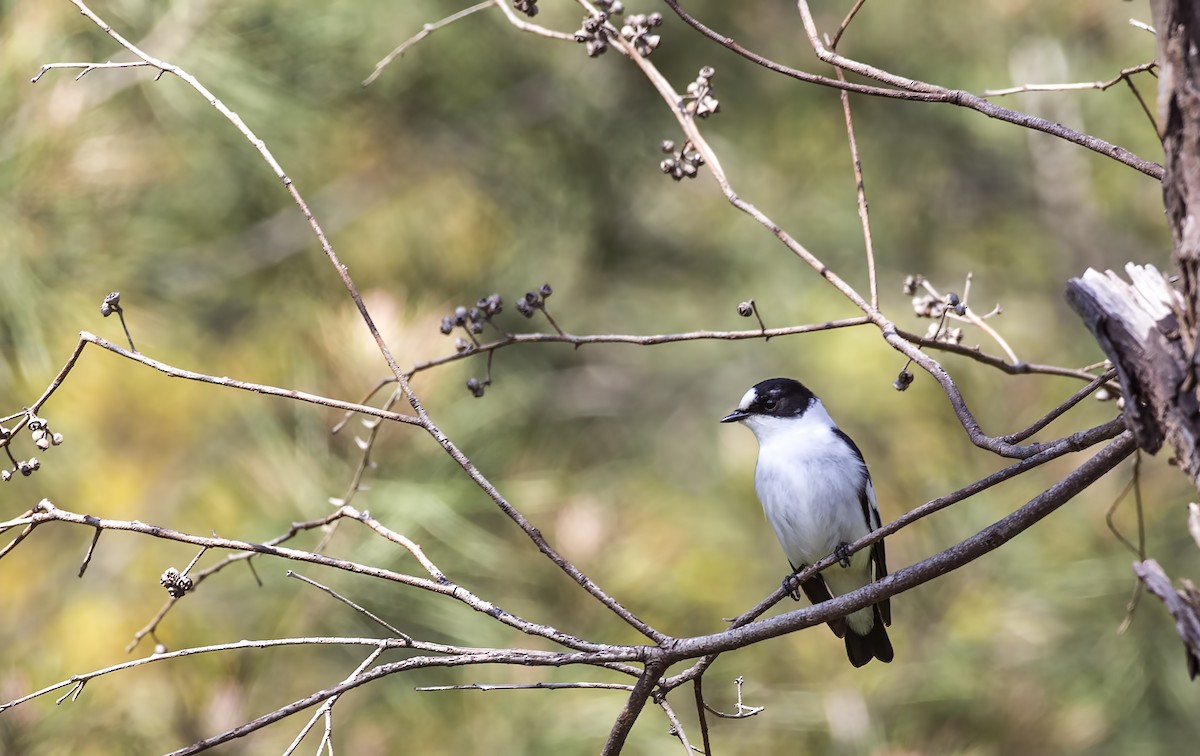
490, 160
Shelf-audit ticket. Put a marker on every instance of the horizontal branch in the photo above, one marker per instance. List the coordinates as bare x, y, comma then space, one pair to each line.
1073, 86
45, 512
419, 662
258, 388
1011, 368
527, 686
646, 340
78, 681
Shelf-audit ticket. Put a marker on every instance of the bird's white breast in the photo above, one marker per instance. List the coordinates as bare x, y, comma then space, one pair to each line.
810, 483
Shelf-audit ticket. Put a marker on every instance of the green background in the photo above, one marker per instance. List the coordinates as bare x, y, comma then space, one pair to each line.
491, 160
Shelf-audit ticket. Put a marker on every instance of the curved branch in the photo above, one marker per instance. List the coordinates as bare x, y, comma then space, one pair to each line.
917, 91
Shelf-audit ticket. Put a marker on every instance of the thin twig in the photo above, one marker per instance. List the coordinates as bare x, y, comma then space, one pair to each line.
1142, 25
258, 388
519, 23
860, 188
326, 709
1062, 408
1139, 550
195, 559
637, 340
698, 692
87, 558
833, 43
20, 537
78, 680
89, 67
426, 30
1100, 85
1142, 101
361, 610
743, 711
676, 726
527, 686
970, 316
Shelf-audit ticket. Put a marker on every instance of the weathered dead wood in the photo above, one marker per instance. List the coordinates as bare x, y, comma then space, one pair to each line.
1137, 323
1184, 606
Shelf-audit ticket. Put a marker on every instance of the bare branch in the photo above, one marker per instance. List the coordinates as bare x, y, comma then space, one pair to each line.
426, 30
528, 686
1184, 606
525, 658
258, 388
45, 511
89, 67
912, 90
1100, 85
859, 184
1058, 411
87, 558
648, 340
365, 612
676, 726
974, 102
326, 708
632, 708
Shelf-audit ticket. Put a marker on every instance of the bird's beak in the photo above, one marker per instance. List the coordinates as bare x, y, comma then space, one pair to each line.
737, 414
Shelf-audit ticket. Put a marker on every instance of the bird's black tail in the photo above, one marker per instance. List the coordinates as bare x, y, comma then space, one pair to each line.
874, 645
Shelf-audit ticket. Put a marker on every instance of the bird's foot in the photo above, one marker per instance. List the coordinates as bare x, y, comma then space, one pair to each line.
791, 586
842, 552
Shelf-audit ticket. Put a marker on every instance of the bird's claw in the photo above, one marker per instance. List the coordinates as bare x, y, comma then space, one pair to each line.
842, 552
788, 588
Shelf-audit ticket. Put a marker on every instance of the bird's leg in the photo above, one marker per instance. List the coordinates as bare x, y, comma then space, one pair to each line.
842, 552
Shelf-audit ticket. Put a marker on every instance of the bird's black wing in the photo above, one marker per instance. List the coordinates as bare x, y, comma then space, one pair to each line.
870, 512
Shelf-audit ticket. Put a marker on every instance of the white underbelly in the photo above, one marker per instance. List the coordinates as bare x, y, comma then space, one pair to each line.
810, 510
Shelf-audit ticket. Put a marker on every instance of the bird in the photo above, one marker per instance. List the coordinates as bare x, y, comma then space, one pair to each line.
817, 494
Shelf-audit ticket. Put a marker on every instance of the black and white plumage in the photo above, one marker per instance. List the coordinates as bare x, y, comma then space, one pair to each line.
817, 494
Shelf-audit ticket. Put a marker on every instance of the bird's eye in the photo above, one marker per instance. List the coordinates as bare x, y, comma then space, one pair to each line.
771, 403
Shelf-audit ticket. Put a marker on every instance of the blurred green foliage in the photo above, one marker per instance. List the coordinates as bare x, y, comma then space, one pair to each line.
490, 160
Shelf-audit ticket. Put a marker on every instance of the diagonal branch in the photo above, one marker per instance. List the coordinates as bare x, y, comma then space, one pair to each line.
987, 540
1074, 443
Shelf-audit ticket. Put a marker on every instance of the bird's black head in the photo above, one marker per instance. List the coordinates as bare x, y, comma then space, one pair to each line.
775, 397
